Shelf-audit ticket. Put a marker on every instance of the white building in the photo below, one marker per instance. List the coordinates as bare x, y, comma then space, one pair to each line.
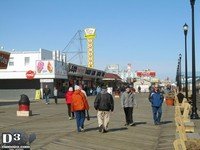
29, 71
145, 79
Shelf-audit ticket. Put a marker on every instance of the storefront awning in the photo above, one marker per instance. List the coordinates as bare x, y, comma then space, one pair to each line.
111, 77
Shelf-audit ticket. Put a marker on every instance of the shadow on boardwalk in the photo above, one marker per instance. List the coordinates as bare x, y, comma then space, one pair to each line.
110, 130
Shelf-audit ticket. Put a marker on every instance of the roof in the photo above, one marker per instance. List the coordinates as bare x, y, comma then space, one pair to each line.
111, 76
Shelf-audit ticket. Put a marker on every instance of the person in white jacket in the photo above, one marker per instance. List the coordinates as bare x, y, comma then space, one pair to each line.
55, 94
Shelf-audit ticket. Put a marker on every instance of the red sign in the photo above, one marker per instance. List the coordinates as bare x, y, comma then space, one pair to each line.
146, 73
4, 58
30, 74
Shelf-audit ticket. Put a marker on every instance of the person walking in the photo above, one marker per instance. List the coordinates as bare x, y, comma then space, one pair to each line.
139, 89
156, 98
78, 106
55, 94
98, 89
68, 100
84, 92
47, 93
104, 104
128, 102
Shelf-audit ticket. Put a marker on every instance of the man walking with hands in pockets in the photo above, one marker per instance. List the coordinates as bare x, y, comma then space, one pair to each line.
104, 104
156, 100
128, 102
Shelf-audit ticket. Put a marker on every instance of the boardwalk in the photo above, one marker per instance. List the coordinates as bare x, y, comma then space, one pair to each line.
54, 131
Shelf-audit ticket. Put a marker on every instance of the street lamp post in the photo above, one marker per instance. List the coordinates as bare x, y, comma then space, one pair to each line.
177, 74
194, 114
185, 28
180, 72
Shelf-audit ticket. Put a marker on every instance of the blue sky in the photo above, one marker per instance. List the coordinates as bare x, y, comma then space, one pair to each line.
146, 33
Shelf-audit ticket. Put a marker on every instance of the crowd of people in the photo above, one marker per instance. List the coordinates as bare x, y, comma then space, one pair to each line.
78, 107
104, 105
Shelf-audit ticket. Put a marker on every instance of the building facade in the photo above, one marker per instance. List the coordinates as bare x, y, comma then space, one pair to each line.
28, 71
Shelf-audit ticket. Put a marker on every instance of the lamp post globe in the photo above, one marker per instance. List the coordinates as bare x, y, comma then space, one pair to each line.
185, 28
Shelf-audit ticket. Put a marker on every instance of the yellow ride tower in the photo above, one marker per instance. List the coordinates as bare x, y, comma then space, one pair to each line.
90, 34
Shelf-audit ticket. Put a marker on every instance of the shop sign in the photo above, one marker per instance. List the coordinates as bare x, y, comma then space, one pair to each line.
30, 74
90, 33
113, 67
4, 59
146, 73
60, 69
80, 70
72, 68
46, 80
45, 67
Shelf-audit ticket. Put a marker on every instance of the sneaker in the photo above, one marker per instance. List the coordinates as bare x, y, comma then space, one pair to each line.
104, 131
132, 124
101, 128
157, 123
82, 129
70, 118
126, 125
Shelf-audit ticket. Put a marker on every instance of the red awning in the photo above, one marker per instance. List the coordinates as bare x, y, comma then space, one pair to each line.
111, 76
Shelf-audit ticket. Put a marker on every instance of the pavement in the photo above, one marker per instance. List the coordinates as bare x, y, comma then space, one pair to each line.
54, 131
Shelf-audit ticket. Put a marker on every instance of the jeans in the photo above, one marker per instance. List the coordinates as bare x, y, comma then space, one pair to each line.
157, 113
46, 98
80, 118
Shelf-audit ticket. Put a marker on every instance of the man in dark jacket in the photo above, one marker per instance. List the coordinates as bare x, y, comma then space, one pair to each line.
104, 104
156, 99
47, 93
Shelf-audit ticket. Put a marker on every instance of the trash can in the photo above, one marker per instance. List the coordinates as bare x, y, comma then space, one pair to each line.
24, 103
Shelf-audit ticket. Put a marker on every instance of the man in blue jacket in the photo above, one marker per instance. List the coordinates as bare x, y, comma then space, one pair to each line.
156, 99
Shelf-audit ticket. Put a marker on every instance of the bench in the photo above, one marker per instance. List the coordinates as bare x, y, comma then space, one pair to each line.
183, 134
188, 126
179, 144
186, 112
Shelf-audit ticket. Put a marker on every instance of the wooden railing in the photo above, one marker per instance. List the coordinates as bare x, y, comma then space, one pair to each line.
185, 128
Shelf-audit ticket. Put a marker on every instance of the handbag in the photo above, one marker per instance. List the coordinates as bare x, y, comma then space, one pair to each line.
88, 116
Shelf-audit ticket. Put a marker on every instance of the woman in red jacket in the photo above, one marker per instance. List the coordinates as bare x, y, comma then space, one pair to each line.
68, 98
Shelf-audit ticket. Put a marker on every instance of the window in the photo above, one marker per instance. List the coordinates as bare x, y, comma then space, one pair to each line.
99, 73
93, 72
88, 72
11, 61
26, 61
